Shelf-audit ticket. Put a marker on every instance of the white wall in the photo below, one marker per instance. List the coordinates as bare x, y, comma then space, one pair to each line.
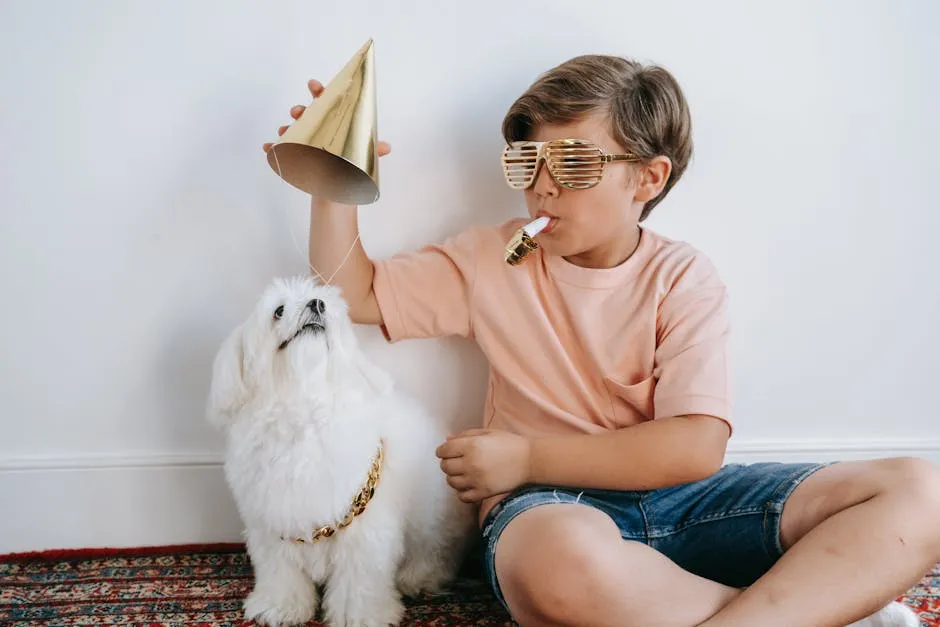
139, 220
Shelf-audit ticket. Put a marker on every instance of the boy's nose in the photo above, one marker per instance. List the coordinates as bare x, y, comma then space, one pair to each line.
545, 184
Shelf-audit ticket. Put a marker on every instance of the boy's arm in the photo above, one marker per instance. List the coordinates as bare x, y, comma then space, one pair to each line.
423, 293
481, 463
656, 454
333, 230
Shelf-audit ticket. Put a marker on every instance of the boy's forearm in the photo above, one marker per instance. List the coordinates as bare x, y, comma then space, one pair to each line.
333, 229
650, 455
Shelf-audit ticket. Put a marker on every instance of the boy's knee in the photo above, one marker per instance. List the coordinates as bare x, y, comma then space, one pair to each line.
554, 582
919, 481
913, 477
915, 484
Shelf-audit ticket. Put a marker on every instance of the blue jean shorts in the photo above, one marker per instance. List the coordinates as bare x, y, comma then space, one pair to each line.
725, 528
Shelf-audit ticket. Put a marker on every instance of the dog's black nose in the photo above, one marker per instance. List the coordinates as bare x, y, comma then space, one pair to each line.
317, 306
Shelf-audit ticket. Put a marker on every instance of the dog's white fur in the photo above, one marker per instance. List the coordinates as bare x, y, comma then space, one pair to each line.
303, 423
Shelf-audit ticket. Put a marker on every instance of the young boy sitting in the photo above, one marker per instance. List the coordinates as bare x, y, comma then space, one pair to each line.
599, 469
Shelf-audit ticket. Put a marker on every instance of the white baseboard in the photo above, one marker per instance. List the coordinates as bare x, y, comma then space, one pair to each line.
113, 501
748, 451
150, 499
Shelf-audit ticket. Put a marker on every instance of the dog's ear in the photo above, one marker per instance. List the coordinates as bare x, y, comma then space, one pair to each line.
229, 390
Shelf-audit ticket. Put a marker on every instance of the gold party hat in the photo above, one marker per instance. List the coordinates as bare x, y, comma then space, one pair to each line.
331, 151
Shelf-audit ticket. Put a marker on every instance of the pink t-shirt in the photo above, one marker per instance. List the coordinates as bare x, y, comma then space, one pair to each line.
571, 349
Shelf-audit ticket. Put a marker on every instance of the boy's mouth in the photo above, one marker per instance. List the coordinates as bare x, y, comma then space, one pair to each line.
552, 221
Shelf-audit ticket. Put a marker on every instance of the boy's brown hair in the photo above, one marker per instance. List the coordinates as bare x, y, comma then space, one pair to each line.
648, 113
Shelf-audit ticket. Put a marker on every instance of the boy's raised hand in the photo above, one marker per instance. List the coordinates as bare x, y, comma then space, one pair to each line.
483, 462
316, 88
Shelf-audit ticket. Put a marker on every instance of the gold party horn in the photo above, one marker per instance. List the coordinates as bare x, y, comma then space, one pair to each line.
331, 151
523, 241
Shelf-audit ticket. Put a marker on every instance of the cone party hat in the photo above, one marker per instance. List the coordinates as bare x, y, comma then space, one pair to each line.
331, 151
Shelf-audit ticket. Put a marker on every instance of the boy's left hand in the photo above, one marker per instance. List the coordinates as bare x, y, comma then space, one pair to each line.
483, 462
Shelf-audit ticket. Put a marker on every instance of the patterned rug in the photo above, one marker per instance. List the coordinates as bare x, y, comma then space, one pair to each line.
204, 585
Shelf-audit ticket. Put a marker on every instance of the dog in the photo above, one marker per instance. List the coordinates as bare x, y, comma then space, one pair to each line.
332, 469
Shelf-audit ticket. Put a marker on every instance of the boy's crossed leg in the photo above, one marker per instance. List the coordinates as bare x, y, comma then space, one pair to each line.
566, 564
857, 535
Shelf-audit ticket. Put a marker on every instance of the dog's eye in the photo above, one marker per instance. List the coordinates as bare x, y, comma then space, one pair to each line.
279, 312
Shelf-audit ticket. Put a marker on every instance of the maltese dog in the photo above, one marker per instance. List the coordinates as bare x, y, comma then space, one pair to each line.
332, 470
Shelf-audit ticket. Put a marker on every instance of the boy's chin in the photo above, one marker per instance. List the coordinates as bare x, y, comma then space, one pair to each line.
552, 244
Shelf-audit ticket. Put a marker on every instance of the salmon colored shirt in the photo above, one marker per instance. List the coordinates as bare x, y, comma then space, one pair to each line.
571, 349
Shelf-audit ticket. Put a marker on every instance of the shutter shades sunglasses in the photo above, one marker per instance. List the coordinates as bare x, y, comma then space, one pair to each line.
573, 163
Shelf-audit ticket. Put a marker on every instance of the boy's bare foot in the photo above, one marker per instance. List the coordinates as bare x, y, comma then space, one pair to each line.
892, 615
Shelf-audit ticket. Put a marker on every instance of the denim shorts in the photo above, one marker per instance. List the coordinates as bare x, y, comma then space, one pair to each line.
725, 528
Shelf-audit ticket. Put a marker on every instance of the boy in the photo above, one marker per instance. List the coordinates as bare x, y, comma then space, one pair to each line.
599, 470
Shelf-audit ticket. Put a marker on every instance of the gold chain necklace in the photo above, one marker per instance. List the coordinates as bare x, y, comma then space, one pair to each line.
359, 502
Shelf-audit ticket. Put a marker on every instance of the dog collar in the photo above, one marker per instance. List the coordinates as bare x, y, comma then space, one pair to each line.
358, 505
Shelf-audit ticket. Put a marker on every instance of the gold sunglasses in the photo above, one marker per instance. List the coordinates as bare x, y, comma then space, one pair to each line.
573, 163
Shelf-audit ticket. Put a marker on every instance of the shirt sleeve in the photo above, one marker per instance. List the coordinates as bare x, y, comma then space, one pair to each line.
692, 360
428, 292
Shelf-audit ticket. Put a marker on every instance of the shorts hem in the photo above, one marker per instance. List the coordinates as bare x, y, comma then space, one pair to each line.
773, 510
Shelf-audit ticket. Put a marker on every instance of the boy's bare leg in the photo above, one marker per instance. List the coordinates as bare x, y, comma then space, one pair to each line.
861, 533
566, 564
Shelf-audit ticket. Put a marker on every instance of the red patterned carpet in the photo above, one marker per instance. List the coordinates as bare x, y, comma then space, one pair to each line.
204, 585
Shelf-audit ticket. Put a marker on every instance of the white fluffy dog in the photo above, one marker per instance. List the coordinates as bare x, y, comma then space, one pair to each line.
306, 415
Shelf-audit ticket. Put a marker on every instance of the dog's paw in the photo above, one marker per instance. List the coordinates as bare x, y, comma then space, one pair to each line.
371, 614
413, 588
278, 609
421, 575
426, 582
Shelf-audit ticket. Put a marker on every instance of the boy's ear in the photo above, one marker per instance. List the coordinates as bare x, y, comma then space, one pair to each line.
652, 177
